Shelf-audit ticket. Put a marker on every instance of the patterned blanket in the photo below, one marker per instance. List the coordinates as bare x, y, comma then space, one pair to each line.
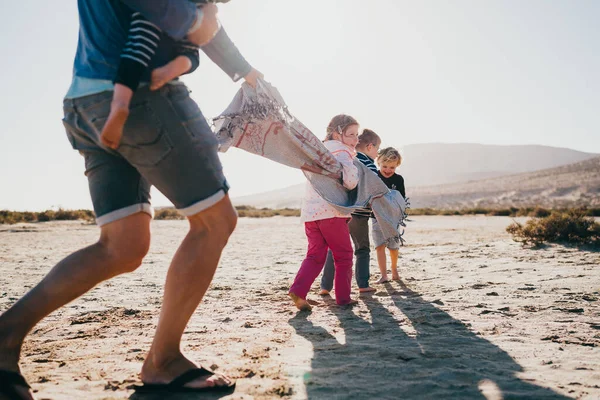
258, 121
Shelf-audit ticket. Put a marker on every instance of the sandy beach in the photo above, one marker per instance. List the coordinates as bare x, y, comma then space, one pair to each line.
475, 316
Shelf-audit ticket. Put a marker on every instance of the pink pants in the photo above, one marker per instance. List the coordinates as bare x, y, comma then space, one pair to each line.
331, 233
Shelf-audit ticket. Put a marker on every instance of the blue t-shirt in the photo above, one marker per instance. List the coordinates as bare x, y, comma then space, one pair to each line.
103, 29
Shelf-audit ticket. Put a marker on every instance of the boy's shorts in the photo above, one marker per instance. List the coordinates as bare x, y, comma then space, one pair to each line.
378, 237
166, 143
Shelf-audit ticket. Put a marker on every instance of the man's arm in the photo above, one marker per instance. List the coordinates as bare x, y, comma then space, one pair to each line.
173, 17
226, 55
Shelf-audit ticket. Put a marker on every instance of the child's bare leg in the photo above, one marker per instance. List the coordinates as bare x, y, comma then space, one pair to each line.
175, 68
119, 111
382, 264
394, 261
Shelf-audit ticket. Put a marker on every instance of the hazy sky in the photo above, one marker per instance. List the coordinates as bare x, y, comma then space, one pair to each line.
494, 72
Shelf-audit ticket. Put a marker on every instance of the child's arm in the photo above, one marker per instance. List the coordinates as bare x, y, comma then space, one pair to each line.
141, 45
186, 62
349, 172
174, 17
191, 51
142, 42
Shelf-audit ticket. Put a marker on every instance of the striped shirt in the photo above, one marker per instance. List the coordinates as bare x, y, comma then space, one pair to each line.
368, 162
142, 41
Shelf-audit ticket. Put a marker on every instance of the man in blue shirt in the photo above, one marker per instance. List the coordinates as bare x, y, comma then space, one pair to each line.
166, 143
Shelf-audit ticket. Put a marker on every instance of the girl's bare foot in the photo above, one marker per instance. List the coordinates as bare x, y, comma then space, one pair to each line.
324, 292
367, 290
300, 303
395, 277
383, 279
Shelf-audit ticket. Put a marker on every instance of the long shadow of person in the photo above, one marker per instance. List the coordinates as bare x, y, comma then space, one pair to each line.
364, 365
410, 350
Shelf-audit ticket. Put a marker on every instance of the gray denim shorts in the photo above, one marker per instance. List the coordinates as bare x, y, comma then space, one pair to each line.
378, 237
166, 143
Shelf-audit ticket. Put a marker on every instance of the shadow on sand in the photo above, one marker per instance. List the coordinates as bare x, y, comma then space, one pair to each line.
424, 354
181, 396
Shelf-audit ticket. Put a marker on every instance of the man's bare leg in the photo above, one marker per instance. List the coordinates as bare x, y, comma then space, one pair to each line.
121, 248
189, 276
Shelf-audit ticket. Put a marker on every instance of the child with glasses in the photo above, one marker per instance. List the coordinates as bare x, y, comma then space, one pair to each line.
326, 227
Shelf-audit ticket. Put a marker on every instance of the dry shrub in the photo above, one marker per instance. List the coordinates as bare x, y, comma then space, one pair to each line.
167, 213
569, 227
252, 212
425, 211
72, 215
15, 217
243, 211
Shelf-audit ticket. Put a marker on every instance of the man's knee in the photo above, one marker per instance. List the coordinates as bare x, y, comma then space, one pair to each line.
230, 218
218, 222
129, 255
127, 242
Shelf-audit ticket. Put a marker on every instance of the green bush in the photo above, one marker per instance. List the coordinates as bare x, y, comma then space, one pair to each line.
571, 227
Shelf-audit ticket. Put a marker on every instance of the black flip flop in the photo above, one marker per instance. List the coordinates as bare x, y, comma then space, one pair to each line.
8, 381
178, 384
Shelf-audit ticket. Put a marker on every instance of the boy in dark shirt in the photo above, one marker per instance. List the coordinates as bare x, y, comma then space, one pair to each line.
388, 160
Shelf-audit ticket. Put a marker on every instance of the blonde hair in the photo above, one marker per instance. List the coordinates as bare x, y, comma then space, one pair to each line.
339, 124
389, 154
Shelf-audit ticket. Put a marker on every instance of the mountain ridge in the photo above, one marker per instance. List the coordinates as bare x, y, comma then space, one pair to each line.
483, 170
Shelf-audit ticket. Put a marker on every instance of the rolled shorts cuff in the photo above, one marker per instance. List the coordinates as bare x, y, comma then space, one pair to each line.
125, 212
203, 204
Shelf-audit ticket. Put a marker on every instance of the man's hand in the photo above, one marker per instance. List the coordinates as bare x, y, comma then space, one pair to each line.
252, 77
